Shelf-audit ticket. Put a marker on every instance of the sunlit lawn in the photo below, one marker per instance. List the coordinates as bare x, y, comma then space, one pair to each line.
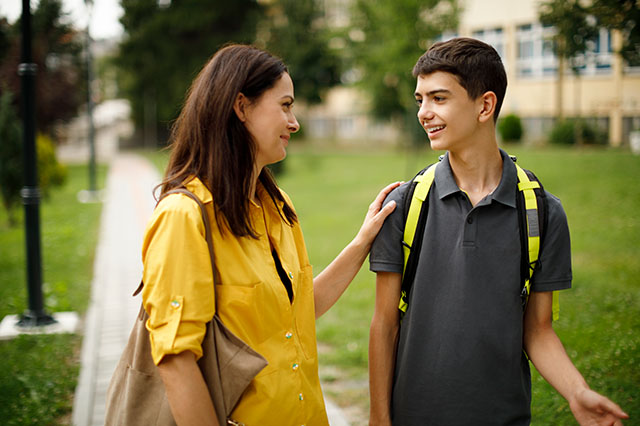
39, 373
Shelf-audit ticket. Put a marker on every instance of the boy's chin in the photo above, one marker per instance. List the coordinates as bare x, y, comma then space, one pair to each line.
437, 145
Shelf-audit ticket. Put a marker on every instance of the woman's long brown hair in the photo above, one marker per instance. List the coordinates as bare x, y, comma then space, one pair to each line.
210, 142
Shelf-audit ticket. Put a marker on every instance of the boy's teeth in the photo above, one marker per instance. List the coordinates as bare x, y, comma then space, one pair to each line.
435, 129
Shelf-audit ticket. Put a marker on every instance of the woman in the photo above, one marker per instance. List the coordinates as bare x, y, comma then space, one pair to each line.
236, 120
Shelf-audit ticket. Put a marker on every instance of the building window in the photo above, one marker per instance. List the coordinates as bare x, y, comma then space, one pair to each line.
535, 57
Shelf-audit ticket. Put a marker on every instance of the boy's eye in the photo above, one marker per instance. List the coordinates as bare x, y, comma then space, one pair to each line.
419, 102
438, 98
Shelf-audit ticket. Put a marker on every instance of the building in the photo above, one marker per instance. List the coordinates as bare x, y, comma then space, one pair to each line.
606, 92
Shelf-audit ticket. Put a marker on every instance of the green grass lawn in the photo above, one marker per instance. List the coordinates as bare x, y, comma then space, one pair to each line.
600, 316
39, 373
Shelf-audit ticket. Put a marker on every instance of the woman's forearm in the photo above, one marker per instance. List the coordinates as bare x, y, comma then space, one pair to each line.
335, 278
186, 390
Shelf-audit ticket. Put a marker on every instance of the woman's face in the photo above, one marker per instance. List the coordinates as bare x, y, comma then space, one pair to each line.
270, 121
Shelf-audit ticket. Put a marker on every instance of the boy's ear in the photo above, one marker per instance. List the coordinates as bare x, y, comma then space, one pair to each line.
487, 104
240, 106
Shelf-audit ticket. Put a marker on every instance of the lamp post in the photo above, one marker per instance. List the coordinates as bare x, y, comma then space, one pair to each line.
92, 131
92, 195
35, 315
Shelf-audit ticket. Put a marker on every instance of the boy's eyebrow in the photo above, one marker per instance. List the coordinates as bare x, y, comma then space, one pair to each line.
433, 92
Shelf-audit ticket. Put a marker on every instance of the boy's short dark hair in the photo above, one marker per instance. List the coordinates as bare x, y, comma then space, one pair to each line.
476, 65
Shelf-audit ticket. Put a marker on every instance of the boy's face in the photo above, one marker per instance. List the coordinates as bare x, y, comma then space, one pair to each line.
446, 112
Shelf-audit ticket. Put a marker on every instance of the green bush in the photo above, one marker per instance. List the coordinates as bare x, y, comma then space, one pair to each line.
10, 156
565, 133
50, 172
510, 128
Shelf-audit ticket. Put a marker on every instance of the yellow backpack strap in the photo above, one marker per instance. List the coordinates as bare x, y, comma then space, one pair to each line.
420, 192
527, 186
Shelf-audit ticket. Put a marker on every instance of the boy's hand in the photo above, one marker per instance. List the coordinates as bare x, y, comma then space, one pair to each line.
592, 409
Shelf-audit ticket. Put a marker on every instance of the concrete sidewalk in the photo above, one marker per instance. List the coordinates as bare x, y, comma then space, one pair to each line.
117, 270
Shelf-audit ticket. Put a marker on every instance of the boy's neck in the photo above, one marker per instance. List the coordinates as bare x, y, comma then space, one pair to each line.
477, 169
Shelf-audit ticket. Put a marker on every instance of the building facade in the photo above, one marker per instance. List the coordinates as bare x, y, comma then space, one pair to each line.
605, 92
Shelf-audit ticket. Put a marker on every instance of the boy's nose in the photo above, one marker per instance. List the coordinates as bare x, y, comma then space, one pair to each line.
424, 115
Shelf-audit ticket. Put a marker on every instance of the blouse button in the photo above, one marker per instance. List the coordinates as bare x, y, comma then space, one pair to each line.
301, 397
289, 335
175, 304
290, 275
295, 366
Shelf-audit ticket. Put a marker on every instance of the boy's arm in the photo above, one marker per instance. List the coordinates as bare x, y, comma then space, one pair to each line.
383, 340
545, 350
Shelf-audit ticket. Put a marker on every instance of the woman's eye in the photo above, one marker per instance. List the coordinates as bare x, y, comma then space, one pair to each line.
419, 102
438, 98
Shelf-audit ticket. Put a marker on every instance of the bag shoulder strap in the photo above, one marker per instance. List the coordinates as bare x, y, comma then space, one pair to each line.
207, 229
415, 220
533, 217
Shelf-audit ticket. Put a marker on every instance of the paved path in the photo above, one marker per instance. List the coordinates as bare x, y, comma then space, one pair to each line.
117, 270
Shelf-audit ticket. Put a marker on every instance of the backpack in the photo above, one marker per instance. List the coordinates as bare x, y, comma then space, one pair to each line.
532, 209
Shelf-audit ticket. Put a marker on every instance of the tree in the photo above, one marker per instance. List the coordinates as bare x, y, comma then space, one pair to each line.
296, 31
575, 28
387, 39
10, 156
57, 50
624, 16
50, 172
165, 45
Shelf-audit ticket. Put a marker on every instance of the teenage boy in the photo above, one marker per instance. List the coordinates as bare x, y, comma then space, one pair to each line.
460, 354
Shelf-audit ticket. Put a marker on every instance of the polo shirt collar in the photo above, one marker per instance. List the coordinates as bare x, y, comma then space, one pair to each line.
504, 193
444, 180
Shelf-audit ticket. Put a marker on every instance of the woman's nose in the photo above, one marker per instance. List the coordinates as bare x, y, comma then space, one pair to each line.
294, 126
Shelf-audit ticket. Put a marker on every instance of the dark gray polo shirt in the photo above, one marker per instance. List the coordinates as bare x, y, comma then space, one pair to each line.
460, 359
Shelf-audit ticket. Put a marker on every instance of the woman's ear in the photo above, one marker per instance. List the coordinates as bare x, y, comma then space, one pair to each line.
488, 102
240, 106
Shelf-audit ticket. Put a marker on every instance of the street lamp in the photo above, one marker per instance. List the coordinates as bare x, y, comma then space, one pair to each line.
35, 315
92, 195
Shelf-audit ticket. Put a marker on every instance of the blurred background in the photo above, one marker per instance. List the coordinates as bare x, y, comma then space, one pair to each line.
112, 76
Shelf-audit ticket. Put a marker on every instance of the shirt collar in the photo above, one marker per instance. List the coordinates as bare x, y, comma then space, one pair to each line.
444, 180
196, 186
504, 193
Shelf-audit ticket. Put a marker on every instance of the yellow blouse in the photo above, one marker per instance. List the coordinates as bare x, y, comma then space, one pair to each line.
252, 301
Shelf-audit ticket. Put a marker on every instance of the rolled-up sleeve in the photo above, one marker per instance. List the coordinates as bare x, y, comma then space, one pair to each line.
178, 283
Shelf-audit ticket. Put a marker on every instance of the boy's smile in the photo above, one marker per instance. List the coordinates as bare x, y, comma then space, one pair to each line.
446, 112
